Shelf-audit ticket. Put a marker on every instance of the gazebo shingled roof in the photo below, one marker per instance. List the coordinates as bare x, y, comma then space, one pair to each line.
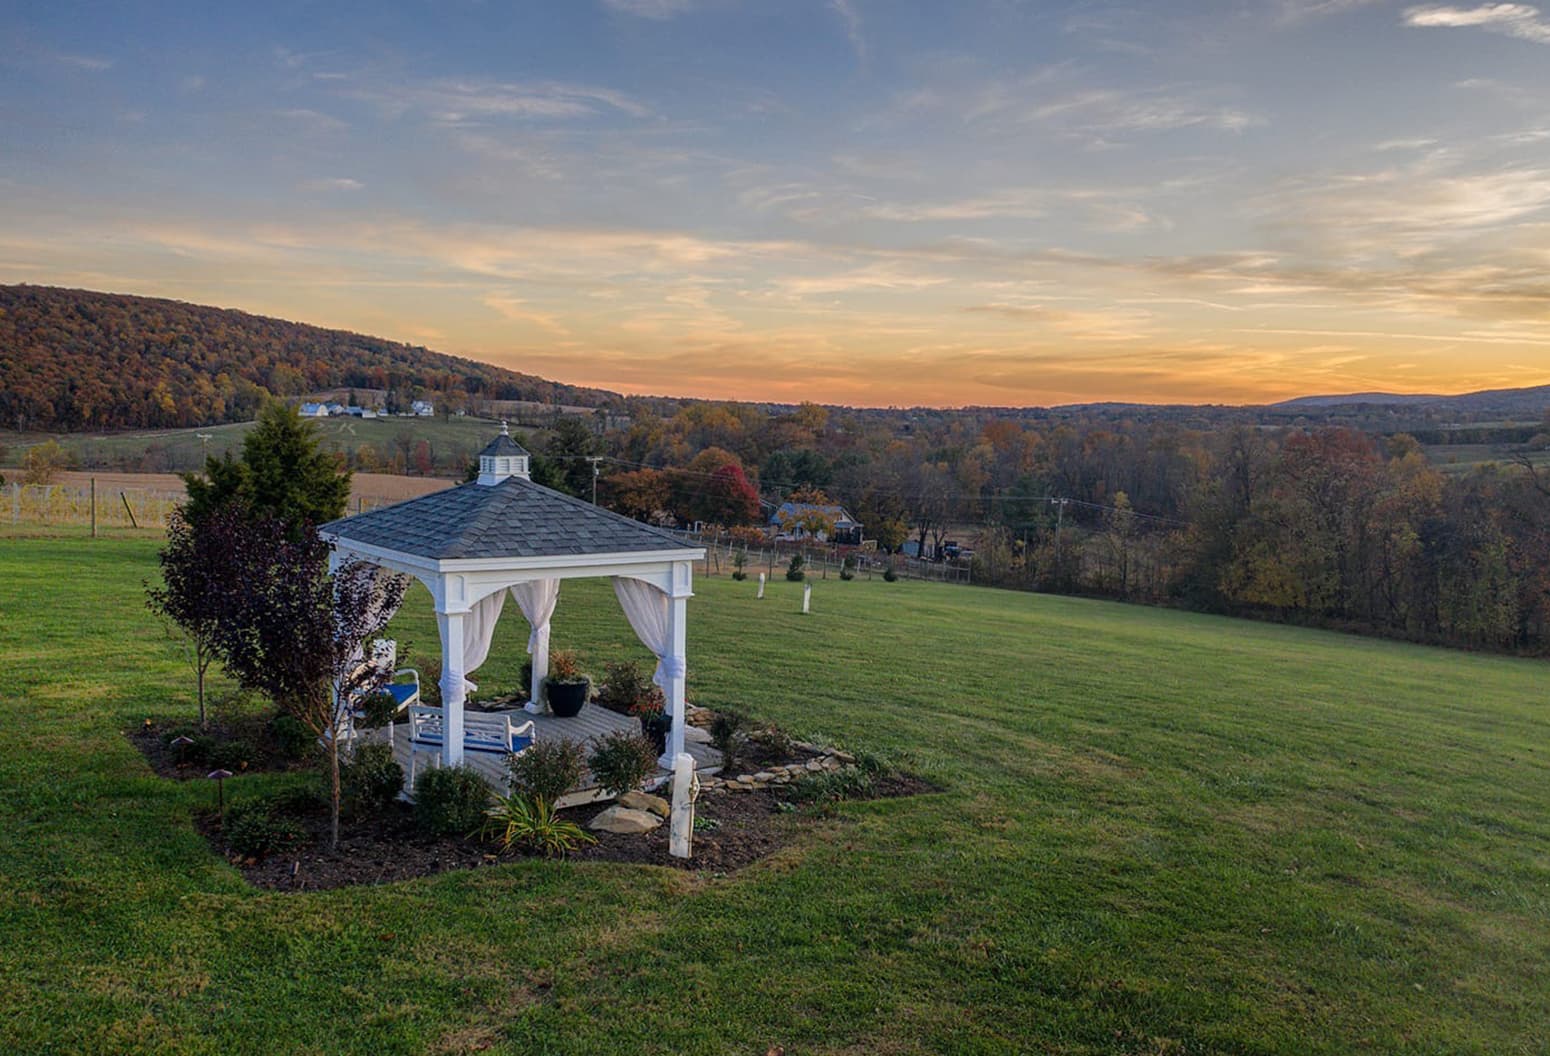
514, 518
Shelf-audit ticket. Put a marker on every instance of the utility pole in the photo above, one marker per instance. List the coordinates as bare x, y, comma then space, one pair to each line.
594, 459
1060, 520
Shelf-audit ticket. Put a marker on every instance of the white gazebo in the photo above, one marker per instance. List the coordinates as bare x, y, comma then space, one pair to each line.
474, 544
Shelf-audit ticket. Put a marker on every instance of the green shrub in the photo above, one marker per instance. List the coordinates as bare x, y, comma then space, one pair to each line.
290, 736
547, 769
831, 786
622, 761
235, 756
450, 801
194, 753
728, 735
531, 824
255, 829
848, 567
794, 571
740, 565
376, 711
776, 740
889, 575
370, 779
299, 800
623, 684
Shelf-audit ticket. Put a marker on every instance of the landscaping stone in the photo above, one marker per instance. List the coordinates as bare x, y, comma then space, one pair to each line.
623, 819
645, 801
695, 735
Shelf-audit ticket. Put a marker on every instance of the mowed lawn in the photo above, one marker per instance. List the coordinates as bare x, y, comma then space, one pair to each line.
1158, 833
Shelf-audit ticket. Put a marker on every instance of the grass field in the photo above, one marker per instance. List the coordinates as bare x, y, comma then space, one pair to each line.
180, 450
1159, 833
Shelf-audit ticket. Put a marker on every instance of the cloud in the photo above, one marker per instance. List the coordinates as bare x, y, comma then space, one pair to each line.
89, 63
337, 183
659, 10
465, 101
1514, 20
846, 9
313, 120
1104, 110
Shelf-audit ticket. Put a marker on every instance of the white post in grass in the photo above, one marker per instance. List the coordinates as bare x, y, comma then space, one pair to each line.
807, 598
685, 786
761, 584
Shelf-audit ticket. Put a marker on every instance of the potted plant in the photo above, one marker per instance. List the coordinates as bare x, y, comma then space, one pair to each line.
655, 723
566, 686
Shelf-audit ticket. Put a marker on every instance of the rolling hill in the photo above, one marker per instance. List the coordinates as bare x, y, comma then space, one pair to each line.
77, 360
1532, 401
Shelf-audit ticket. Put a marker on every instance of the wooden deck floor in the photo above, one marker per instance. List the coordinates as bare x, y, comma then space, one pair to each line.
590, 724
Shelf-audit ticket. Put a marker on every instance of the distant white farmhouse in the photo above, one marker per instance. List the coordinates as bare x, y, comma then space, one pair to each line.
314, 410
422, 409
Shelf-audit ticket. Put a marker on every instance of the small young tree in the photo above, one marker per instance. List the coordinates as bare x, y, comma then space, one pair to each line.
42, 461
194, 567
298, 634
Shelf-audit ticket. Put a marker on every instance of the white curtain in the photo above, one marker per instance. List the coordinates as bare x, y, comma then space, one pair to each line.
478, 632
646, 608
536, 598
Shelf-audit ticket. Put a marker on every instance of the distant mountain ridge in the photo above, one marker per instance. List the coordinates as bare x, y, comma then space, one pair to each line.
1532, 400
78, 360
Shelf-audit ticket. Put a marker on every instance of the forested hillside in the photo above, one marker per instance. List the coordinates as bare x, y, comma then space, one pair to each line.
77, 360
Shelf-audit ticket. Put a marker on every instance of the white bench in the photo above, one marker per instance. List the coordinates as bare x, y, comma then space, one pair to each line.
494, 734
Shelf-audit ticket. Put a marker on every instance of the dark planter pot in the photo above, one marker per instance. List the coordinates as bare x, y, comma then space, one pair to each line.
656, 731
566, 698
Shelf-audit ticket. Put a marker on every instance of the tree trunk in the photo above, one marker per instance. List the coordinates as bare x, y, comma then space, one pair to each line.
333, 780
201, 662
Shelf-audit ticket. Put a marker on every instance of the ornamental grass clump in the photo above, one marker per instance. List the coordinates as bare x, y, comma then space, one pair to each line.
530, 823
622, 761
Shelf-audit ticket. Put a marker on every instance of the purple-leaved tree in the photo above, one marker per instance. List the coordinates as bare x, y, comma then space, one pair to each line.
194, 567
294, 632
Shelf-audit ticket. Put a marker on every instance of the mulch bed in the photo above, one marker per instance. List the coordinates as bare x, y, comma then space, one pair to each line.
262, 757
743, 828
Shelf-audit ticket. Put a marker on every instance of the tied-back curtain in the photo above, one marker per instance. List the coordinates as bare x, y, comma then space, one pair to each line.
478, 632
536, 598
646, 608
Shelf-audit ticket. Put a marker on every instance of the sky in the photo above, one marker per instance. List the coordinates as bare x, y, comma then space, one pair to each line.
873, 202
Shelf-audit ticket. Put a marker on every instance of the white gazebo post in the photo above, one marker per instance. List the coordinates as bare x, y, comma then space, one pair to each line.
678, 634
450, 624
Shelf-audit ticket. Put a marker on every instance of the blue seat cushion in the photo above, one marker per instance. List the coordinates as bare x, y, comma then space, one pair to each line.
402, 692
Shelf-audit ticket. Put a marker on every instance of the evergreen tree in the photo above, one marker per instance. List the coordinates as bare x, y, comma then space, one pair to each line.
283, 473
